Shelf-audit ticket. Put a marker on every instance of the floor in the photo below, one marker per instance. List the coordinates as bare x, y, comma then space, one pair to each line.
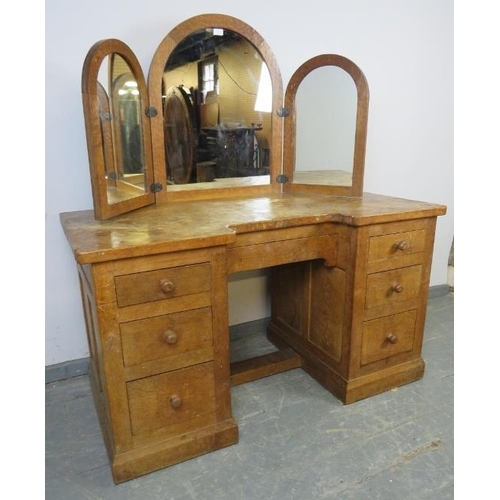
296, 440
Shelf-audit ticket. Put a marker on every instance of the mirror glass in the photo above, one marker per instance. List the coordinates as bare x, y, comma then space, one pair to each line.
216, 99
121, 129
325, 110
114, 98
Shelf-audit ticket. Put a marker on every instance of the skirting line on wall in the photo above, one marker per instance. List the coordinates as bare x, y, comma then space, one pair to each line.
78, 367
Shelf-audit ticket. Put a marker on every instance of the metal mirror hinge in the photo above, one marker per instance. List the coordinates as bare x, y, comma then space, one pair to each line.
281, 179
156, 187
151, 111
283, 112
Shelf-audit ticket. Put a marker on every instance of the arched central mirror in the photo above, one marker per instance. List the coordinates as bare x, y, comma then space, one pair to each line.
222, 130
216, 83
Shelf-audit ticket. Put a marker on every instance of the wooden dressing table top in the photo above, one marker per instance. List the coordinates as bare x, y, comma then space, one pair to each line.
187, 225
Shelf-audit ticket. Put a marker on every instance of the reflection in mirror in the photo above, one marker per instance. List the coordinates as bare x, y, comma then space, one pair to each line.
179, 135
217, 98
126, 178
325, 107
106, 136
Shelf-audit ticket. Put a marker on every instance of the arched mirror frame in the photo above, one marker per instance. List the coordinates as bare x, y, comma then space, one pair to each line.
155, 79
290, 127
97, 151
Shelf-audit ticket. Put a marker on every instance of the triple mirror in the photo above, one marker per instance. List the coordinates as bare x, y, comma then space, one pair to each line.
212, 120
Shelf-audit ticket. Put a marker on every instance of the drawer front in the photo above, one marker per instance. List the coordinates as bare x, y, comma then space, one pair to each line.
162, 284
172, 398
163, 337
390, 287
388, 336
389, 246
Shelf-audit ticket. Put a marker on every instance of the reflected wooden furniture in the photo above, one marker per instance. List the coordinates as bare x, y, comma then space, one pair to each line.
233, 150
350, 278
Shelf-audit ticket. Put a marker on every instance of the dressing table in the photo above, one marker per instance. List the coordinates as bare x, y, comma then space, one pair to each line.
349, 270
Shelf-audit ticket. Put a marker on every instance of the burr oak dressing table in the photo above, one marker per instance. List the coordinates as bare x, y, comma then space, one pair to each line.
349, 270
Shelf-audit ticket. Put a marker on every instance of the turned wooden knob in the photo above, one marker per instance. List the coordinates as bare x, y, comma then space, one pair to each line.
397, 287
170, 337
175, 401
167, 286
402, 245
391, 338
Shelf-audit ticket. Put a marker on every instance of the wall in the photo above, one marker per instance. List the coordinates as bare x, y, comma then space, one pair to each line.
405, 49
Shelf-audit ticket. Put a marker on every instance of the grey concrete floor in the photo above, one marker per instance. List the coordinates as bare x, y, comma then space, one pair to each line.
296, 440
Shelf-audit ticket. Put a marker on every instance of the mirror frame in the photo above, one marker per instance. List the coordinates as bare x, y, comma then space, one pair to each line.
283, 123
155, 77
290, 127
97, 151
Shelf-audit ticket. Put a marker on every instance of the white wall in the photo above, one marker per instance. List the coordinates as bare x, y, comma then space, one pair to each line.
405, 49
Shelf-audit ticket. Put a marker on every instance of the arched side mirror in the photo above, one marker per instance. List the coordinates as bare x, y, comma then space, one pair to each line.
231, 132
114, 95
326, 128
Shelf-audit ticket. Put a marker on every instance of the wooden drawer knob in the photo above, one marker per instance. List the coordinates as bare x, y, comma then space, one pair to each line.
397, 287
391, 338
170, 337
175, 401
402, 245
167, 286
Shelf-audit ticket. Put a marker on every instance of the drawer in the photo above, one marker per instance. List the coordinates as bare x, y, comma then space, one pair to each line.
163, 337
177, 398
388, 336
391, 287
161, 284
395, 245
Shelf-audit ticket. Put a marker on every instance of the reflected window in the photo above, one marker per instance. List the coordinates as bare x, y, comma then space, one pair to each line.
264, 101
208, 75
